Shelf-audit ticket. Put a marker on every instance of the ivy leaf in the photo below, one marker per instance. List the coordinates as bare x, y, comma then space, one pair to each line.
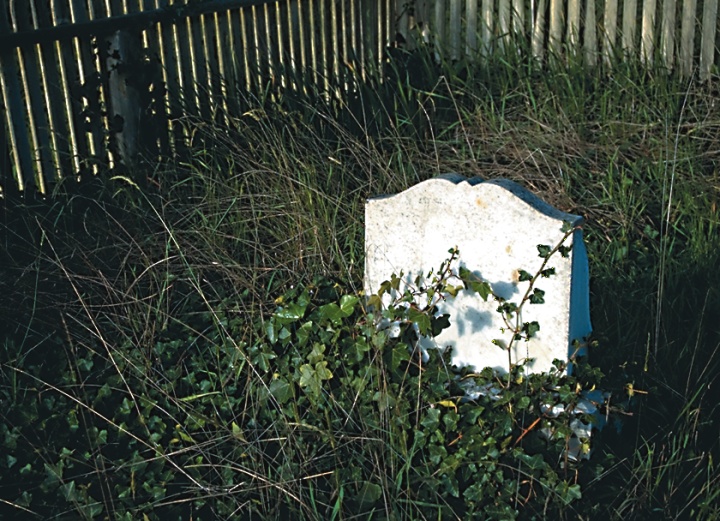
475, 493
431, 421
290, 313
270, 331
568, 493
531, 328
316, 355
368, 495
421, 319
374, 302
398, 355
261, 356
439, 323
322, 372
544, 250
237, 432
347, 304
524, 276
523, 402
303, 334
331, 312
538, 296
281, 390
507, 308
359, 347
547, 272
311, 378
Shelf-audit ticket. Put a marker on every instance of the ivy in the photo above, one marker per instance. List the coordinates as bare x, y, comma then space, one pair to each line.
316, 400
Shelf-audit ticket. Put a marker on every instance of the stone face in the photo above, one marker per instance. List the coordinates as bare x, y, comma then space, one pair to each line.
496, 226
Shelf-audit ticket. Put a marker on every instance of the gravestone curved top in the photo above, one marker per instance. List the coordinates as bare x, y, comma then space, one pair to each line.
496, 226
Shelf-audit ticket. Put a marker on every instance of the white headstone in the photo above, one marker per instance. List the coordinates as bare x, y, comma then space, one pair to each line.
496, 226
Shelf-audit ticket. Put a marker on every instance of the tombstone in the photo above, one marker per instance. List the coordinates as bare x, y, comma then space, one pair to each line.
496, 225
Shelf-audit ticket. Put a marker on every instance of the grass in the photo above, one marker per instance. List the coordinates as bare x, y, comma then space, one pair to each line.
128, 369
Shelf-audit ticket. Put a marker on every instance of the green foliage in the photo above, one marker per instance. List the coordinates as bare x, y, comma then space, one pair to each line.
337, 416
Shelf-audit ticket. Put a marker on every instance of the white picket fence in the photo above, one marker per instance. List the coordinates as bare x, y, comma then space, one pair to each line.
682, 34
61, 87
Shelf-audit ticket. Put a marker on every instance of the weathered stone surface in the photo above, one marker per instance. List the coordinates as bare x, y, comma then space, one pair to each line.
497, 226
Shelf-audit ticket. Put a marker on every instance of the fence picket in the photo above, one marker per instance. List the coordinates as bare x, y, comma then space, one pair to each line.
707, 43
556, 26
471, 15
486, 26
538, 32
647, 34
572, 38
687, 36
610, 36
667, 33
591, 41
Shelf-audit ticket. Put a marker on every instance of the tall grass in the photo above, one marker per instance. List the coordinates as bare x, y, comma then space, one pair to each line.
127, 289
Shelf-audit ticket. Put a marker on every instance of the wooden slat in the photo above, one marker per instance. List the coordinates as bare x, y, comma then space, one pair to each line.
313, 42
355, 50
324, 44
440, 27
518, 19
487, 26
169, 55
272, 78
538, 31
471, 15
556, 27
304, 30
202, 78
707, 40
335, 47
667, 33
572, 37
629, 26
455, 28
590, 36
216, 67
190, 99
385, 9
504, 17
371, 37
229, 76
647, 36
610, 23
293, 62
402, 24
246, 56
687, 36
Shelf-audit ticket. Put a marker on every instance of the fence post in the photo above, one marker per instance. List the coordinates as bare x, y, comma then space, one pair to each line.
123, 60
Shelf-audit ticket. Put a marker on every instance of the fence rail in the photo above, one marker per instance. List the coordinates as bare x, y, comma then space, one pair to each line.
676, 34
84, 82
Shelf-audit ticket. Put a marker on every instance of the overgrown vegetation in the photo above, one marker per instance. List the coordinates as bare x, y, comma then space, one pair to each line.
156, 357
